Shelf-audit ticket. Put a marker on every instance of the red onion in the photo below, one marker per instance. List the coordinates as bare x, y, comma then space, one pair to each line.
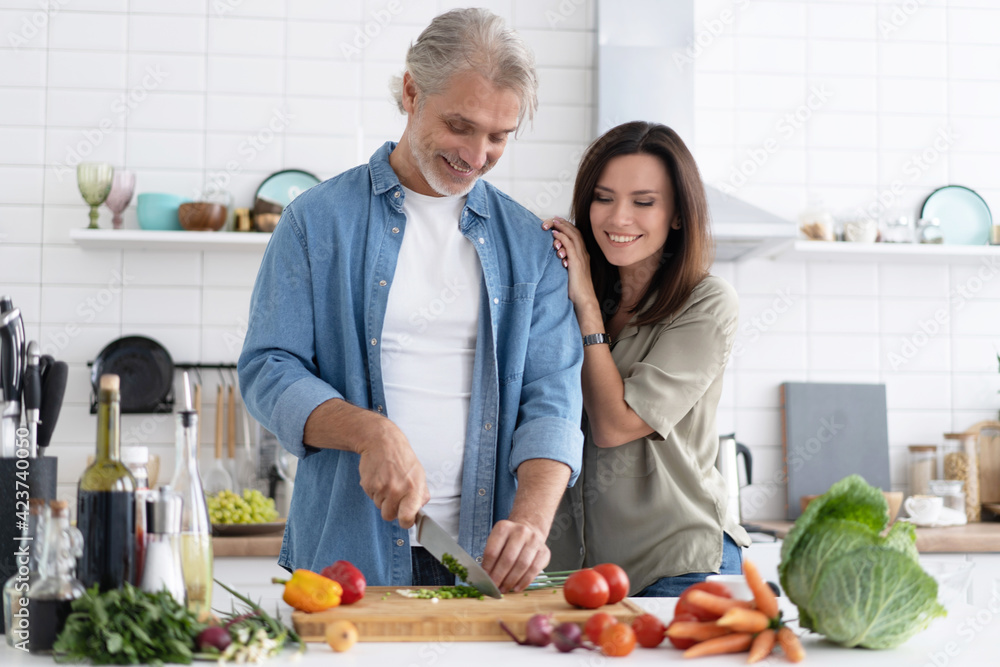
567, 636
540, 630
214, 637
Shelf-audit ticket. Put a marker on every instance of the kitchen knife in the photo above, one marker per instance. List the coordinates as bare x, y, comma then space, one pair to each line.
438, 543
53, 390
11, 373
32, 396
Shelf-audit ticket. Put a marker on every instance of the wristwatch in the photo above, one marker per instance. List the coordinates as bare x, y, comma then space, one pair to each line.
596, 339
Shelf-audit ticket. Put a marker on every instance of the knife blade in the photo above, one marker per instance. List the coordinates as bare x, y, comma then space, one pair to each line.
438, 543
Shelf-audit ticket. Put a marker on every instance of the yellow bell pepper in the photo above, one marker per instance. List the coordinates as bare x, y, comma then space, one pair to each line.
310, 592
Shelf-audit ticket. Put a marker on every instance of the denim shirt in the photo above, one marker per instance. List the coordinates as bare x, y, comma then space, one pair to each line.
314, 333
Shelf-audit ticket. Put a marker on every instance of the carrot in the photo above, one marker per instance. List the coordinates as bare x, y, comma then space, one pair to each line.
762, 646
734, 643
699, 631
744, 620
762, 593
791, 645
715, 603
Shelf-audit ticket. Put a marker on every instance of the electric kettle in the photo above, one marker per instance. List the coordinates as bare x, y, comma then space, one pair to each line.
727, 463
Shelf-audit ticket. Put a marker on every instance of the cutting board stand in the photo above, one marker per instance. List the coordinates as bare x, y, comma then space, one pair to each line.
401, 619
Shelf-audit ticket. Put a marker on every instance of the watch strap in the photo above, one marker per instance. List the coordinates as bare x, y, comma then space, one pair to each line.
596, 339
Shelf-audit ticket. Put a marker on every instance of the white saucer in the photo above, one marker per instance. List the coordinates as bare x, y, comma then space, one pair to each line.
947, 517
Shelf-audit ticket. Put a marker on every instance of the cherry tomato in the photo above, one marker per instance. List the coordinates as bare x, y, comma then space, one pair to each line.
683, 606
617, 581
586, 588
596, 624
682, 644
649, 630
617, 640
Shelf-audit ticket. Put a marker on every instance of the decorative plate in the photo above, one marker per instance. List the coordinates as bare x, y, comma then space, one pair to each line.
965, 217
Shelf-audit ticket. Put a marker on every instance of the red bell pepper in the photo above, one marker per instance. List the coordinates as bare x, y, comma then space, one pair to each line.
349, 578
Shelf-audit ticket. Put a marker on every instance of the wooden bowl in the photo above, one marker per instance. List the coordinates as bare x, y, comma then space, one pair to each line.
893, 498
202, 216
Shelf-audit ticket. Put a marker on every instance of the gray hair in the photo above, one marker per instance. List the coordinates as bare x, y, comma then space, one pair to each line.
471, 39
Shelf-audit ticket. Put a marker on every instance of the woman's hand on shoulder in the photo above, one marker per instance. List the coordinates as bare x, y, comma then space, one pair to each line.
567, 243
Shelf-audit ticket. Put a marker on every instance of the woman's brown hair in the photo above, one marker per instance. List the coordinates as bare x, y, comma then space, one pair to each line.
688, 251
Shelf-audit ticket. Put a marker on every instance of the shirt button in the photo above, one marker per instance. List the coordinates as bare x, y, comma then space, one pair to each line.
396, 194
382, 283
495, 300
399, 543
395, 230
374, 341
488, 426
479, 559
379, 408
581, 551
482, 240
482, 492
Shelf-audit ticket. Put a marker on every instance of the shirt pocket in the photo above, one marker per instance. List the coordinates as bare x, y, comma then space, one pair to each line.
633, 459
513, 326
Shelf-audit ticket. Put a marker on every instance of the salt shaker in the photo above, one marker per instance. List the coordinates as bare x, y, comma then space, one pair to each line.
163, 556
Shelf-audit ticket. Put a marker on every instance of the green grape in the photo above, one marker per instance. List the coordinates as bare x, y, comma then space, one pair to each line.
252, 507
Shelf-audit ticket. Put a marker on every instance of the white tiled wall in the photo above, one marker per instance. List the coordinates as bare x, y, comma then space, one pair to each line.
171, 90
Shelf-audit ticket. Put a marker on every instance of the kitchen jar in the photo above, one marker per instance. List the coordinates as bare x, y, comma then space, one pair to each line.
951, 491
923, 468
929, 231
898, 229
960, 462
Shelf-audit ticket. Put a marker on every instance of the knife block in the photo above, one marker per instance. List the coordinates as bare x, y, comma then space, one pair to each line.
39, 475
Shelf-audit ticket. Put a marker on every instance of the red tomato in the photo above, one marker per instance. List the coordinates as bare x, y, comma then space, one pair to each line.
683, 606
617, 581
682, 644
649, 630
617, 640
596, 624
586, 588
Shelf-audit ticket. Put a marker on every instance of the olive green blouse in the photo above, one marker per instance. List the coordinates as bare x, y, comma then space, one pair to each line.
657, 505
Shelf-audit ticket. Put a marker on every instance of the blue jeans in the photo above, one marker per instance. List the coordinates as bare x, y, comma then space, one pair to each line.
672, 587
427, 571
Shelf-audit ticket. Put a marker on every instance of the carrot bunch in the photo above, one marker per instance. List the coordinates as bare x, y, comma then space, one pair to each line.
739, 625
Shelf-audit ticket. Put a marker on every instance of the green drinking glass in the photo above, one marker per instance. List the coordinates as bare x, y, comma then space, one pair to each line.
94, 180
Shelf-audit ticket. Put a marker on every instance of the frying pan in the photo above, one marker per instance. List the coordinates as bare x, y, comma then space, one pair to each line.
145, 368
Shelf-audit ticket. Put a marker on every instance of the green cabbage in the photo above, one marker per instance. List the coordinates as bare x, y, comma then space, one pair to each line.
850, 582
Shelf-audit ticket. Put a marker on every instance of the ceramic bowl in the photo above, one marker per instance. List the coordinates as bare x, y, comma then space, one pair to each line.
893, 498
157, 211
202, 216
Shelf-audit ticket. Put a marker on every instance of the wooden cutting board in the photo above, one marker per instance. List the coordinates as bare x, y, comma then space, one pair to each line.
402, 619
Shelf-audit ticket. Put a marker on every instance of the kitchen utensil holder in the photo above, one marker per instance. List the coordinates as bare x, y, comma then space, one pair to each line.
37, 477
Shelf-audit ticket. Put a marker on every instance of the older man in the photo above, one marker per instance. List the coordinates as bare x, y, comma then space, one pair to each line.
410, 338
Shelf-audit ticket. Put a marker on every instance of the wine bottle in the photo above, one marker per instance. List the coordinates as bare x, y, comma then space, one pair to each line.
106, 501
195, 531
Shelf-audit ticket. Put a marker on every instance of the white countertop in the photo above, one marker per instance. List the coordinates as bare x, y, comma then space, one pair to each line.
966, 637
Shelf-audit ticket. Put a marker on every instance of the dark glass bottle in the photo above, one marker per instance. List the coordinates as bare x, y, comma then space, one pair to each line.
106, 501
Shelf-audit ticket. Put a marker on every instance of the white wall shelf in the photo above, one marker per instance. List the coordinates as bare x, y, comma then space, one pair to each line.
140, 239
913, 253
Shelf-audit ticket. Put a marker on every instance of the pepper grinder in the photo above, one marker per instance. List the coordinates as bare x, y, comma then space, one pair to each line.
163, 555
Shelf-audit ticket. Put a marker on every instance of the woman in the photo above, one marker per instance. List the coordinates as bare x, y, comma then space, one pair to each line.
657, 331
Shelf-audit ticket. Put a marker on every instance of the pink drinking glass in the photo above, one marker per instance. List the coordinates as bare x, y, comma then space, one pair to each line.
122, 187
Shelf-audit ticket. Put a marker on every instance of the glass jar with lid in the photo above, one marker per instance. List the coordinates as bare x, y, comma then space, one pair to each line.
951, 491
960, 461
923, 468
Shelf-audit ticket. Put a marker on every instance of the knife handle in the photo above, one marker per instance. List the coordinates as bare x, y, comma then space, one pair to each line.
53, 391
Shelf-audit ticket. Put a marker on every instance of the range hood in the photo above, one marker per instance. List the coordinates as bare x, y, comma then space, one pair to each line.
645, 73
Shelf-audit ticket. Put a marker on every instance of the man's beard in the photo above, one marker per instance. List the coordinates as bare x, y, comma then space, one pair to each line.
431, 170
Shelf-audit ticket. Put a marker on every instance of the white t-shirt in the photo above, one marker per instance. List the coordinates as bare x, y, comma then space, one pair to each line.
429, 345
